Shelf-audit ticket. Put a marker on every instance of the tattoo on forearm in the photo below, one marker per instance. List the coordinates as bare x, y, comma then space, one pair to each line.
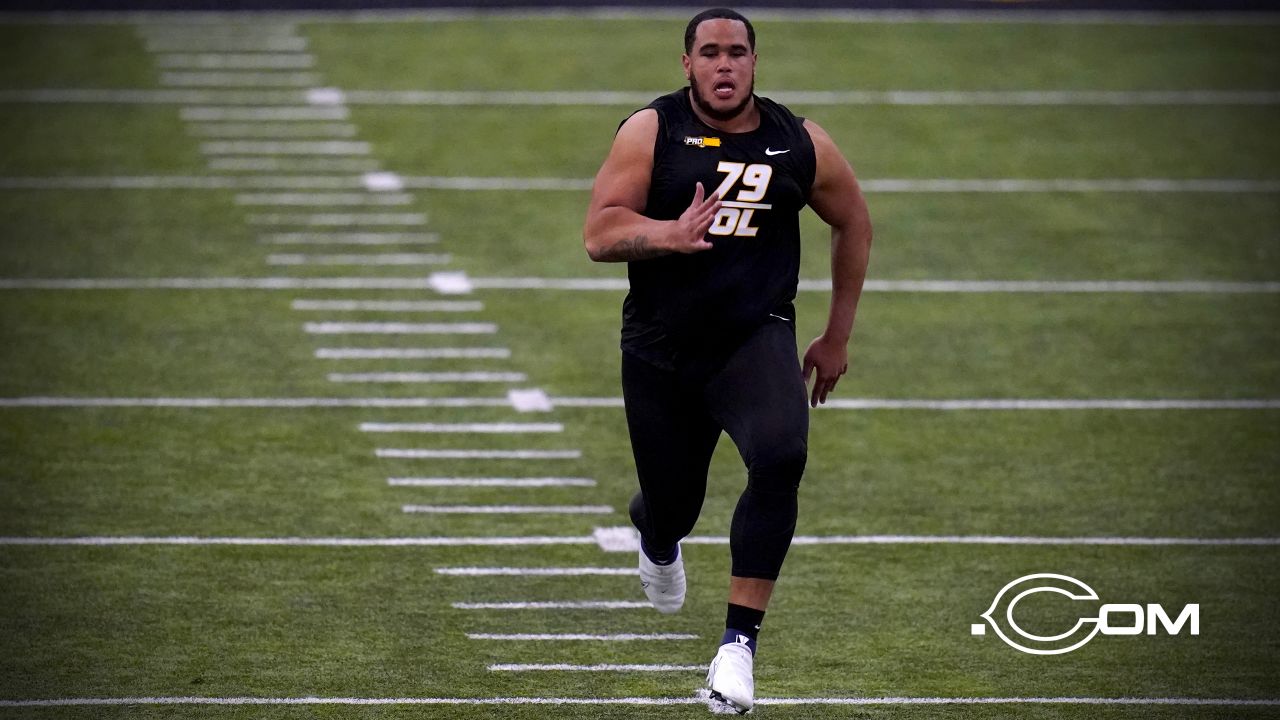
636, 248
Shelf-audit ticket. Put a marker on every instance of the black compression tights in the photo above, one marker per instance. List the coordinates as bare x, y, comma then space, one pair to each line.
758, 398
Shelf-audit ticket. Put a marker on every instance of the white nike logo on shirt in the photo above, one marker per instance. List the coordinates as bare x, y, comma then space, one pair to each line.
771, 151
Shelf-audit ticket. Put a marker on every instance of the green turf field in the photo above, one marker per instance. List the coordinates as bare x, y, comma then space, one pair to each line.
139, 424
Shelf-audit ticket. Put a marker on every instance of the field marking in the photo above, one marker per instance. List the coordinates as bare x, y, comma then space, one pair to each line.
291, 164
380, 181
244, 79
323, 199
389, 305
339, 219
398, 328
429, 377
565, 667
271, 130
529, 401
639, 98
616, 637
525, 482
629, 701
535, 571
535, 540
411, 353
555, 605
425, 454
161, 44
460, 283
154, 97
509, 509
349, 238
286, 147
268, 113
235, 61
496, 428
371, 260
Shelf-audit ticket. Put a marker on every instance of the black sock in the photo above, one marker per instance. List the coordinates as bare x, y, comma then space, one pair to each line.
660, 557
742, 626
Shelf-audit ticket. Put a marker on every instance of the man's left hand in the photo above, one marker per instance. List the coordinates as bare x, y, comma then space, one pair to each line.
831, 360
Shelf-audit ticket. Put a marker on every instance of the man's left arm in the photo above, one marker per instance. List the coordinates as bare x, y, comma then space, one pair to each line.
838, 200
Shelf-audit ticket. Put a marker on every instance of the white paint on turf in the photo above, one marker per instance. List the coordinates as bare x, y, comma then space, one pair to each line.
206, 79
529, 400
316, 199
486, 428
425, 454
390, 305
535, 571
286, 147
340, 220
555, 605
429, 377
235, 61
268, 113
349, 238
524, 482
508, 509
565, 667
411, 353
398, 328
615, 637
617, 539
264, 130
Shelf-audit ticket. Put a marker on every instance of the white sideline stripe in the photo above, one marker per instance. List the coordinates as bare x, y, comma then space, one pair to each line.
300, 113
639, 98
272, 130
286, 147
630, 701
533, 540
565, 667
390, 305
290, 164
535, 571
239, 79
509, 509
369, 260
235, 61
323, 199
527, 482
555, 605
339, 220
397, 328
498, 428
350, 238
429, 377
307, 402
409, 353
618, 637
162, 43
420, 454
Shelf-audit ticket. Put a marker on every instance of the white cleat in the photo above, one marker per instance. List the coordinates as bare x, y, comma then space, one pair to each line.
663, 584
729, 678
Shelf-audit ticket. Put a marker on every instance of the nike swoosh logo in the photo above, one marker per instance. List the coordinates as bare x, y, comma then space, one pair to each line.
771, 151
780, 317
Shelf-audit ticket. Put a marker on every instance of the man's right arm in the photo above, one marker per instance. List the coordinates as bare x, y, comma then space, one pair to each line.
615, 229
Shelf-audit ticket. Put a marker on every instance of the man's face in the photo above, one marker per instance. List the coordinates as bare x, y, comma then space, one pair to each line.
722, 68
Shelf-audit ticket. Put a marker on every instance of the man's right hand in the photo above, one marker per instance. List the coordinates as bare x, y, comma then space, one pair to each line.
690, 232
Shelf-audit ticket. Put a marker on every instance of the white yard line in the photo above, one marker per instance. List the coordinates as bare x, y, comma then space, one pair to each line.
340, 219
536, 571
616, 637
555, 605
584, 540
298, 402
154, 97
565, 667
271, 130
265, 113
286, 147
429, 377
292, 164
424, 454
240, 79
524, 482
390, 305
235, 61
398, 328
487, 428
991, 404
196, 43
629, 701
350, 238
411, 353
316, 199
377, 259
509, 509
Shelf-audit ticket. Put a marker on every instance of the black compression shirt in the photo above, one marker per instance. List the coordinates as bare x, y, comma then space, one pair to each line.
691, 306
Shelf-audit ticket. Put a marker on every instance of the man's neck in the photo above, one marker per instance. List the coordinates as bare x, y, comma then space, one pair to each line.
745, 121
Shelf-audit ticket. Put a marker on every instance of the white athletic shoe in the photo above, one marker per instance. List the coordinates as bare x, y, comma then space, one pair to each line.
663, 584
729, 677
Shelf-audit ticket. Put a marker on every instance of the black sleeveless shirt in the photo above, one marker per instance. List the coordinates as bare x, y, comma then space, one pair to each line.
685, 309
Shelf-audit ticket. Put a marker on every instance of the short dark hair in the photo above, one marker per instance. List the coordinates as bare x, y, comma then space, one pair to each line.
716, 14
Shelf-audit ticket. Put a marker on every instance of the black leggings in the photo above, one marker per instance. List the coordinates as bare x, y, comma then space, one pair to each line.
758, 398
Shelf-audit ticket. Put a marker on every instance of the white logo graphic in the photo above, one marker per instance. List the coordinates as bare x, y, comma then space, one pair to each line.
771, 152
1133, 619
742, 640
